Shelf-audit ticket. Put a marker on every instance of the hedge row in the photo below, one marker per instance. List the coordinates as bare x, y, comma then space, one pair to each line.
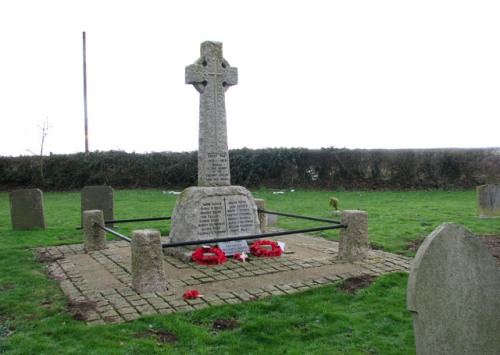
328, 168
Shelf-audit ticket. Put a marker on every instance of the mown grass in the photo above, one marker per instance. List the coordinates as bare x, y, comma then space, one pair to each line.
33, 311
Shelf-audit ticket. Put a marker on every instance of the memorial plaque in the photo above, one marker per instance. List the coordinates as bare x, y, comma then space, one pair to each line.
234, 246
225, 216
217, 169
203, 213
212, 218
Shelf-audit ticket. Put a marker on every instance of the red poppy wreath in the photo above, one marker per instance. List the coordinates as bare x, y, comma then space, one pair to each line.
209, 256
265, 248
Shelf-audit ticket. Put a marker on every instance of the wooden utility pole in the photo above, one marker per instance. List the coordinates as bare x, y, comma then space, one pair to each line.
85, 94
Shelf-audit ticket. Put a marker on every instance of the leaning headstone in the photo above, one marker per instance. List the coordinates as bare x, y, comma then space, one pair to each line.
354, 244
214, 208
148, 274
454, 294
26, 209
94, 238
488, 201
98, 198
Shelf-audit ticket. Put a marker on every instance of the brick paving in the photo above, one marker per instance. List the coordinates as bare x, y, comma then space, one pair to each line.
98, 284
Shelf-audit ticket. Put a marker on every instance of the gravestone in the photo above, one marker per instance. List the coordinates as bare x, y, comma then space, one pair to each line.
454, 294
488, 201
98, 198
26, 209
214, 208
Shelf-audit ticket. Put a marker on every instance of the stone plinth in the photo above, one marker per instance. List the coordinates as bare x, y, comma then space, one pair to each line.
354, 242
488, 201
454, 294
94, 238
148, 274
202, 213
26, 209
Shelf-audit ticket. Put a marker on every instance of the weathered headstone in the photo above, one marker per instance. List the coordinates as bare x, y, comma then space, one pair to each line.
98, 198
26, 209
148, 274
454, 294
354, 243
488, 201
214, 208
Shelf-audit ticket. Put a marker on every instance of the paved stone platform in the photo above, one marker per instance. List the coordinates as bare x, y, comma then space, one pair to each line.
98, 284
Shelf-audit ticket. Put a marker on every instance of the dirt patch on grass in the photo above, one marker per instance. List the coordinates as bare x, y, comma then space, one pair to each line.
413, 245
43, 256
81, 309
7, 286
355, 283
225, 324
160, 336
376, 247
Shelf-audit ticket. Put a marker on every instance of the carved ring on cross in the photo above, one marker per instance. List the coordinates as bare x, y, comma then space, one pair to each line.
211, 68
200, 87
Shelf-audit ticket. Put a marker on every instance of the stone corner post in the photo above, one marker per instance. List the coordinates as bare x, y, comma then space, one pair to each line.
148, 275
94, 238
354, 243
261, 205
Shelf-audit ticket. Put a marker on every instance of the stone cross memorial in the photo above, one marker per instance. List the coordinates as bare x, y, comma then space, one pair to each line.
211, 75
214, 208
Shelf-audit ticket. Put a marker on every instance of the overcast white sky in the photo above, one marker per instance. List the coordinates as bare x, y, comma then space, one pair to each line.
355, 74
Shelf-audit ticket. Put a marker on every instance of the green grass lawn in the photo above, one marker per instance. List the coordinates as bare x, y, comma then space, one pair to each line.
34, 317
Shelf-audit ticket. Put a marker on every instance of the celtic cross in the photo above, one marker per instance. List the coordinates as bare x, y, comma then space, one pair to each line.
211, 75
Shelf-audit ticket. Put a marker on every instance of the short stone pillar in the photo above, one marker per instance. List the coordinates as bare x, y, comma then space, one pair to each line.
94, 238
261, 205
26, 209
148, 275
488, 201
354, 243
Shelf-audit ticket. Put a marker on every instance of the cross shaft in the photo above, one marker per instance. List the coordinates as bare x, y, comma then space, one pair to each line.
211, 75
